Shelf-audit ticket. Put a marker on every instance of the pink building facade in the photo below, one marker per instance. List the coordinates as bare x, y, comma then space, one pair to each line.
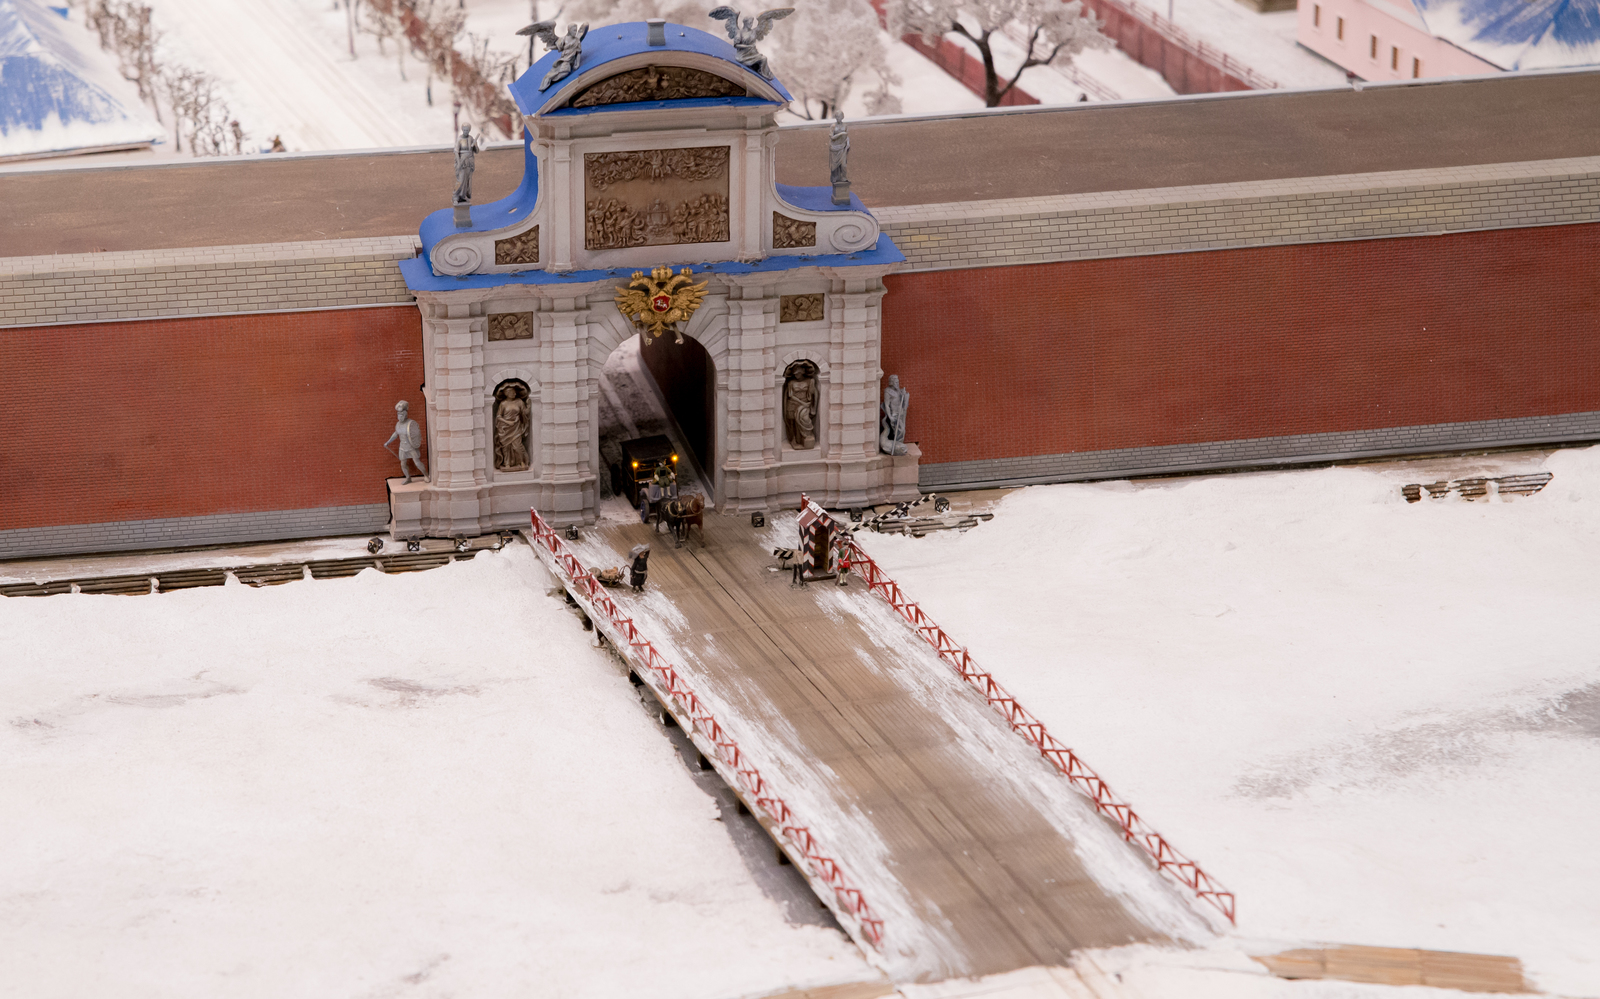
1382, 40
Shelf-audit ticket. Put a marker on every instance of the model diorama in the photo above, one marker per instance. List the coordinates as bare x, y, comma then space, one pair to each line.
909, 728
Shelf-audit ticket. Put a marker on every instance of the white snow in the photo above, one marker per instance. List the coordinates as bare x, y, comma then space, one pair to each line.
1264, 42
1376, 722
426, 782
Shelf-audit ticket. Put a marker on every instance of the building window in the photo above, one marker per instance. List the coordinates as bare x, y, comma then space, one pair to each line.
1374, 52
1339, 30
1316, 15
1416, 69
1394, 57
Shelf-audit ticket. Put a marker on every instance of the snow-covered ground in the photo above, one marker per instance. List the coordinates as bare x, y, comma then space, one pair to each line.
284, 68
1264, 42
1376, 722
424, 784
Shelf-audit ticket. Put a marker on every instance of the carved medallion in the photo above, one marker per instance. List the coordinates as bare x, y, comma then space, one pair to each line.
523, 248
788, 233
656, 197
657, 83
800, 308
511, 326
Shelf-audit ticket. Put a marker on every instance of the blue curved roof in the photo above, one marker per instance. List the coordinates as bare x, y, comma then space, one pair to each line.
1519, 34
611, 42
496, 214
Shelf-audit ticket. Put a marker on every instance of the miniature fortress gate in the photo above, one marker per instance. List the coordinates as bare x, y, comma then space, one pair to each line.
646, 156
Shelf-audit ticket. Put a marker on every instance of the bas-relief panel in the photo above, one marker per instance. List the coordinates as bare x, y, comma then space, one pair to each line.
657, 83
655, 197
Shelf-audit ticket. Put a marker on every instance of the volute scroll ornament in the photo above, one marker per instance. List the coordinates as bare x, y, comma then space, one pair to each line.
662, 300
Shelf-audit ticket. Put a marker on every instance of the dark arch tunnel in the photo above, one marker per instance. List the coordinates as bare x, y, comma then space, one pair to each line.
688, 379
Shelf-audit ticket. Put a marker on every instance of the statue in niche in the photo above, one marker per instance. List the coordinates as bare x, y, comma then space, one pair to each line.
892, 432
467, 150
800, 405
512, 417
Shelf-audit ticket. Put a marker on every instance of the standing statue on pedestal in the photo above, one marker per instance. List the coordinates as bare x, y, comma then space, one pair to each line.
569, 45
410, 438
466, 160
746, 33
892, 436
838, 154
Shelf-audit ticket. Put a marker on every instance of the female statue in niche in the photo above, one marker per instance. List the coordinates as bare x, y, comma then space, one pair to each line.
800, 405
512, 417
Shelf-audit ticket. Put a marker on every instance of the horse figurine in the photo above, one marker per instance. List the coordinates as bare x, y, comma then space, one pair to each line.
683, 513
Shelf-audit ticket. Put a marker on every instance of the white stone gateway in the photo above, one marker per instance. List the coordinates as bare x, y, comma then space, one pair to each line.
650, 155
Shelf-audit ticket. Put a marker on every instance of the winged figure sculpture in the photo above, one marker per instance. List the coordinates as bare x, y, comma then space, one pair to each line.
659, 301
569, 45
746, 32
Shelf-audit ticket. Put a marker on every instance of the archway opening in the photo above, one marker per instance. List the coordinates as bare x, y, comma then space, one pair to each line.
688, 381
666, 390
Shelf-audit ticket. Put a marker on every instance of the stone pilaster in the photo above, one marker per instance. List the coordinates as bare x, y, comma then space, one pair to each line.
751, 436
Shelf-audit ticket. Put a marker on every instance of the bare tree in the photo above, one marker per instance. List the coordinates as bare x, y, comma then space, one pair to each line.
1055, 32
824, 49
383, 24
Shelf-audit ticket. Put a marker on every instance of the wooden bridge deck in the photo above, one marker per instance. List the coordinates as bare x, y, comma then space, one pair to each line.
992, 882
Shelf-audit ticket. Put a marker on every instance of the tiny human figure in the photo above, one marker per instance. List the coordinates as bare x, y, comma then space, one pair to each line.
410, 438
841, 562
639, 562
277, 145
666, 477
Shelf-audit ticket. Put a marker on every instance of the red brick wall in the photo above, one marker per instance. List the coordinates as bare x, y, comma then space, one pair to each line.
1226, 344
184, 417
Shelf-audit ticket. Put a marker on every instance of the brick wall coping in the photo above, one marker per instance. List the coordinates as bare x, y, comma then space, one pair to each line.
1438, 178
121, 285
135, 261
1379, 205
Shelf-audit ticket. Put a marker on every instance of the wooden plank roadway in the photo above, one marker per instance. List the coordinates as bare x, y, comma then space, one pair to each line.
983, 868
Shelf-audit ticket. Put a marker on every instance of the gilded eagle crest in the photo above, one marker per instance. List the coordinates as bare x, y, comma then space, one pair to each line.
661, 300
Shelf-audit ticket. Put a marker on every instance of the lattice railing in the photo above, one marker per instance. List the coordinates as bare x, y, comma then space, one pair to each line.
710, 737
1134, 829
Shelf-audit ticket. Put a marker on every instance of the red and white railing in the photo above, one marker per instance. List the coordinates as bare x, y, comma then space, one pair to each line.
707, 733
1134, 829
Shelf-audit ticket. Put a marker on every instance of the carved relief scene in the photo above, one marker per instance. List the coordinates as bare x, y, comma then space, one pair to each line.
800, 308
655, 197
511, 326
657, 83
513, 415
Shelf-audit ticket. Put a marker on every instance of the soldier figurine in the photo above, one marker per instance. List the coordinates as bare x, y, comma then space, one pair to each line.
410, 438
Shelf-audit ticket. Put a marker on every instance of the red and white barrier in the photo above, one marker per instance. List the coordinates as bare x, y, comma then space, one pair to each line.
1134, 829
703, 728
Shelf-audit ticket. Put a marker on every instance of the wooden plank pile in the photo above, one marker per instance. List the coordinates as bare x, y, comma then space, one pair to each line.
1478, 488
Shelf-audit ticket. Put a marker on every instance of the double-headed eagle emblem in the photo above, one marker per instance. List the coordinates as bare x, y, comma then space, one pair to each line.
659, 301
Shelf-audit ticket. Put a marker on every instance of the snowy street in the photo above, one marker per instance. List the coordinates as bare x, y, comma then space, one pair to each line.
1376, 722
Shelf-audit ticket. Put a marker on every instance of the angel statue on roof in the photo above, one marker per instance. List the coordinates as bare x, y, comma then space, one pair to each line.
569, 45
746, 32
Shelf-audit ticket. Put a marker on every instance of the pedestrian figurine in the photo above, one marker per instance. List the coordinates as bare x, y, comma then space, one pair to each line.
409, 435
638, 562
